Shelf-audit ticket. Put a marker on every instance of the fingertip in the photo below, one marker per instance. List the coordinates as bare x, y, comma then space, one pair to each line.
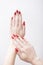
16, 49
12, 37
11, 18
15, 35
24, 23
19, 12
22, 37
14, 13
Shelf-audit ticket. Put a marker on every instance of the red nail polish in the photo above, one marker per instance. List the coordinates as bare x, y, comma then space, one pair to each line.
15, 13
23, 23
11, 17
17, 36
12, 37
16, 49
19, 12
22, 37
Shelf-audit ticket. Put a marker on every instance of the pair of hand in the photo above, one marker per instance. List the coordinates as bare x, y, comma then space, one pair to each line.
25, 50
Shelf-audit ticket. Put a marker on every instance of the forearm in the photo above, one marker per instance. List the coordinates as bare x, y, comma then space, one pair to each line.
37, 61
10, 57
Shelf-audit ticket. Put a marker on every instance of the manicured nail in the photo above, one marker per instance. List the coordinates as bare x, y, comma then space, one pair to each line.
12, 37
22, 37
15, 13
16, 49
19, 12
23, 23
15, 35
11, 17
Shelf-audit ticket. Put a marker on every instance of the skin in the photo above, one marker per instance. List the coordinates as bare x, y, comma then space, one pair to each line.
26, 51
16, 27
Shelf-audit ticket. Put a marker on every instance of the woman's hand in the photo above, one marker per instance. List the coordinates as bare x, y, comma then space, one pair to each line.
26, 51
17, 27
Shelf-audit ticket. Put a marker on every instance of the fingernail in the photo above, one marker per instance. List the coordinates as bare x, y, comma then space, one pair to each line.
15, 13
15, 35
19, 12
12, 37
23, 23
22, 37
11, 17
16, 49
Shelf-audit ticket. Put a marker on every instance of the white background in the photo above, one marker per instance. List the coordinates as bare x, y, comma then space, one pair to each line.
32, 11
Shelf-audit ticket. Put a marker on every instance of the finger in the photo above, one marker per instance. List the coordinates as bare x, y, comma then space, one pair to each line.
15, 37
20, 20
11, 21
24, 27
22, 40
16, 19
19, 48
16, 49
19, 54
19, 42
14, 22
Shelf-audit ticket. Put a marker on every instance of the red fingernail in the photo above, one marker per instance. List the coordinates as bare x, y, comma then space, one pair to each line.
11, 17
15, 35
23, 23
22, 38
15, 13
12, 37
19, 12
16, 49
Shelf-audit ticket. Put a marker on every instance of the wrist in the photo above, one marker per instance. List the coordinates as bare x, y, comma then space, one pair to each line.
36, 61
11, 52
10, 56
11, 48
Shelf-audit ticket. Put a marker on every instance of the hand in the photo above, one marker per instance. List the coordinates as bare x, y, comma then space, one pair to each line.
17, 27
26, 51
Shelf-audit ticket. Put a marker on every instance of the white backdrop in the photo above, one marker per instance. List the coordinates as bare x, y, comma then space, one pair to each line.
32, 11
